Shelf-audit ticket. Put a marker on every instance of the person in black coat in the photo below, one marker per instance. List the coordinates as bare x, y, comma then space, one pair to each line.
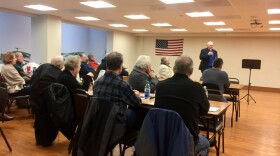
179, 93
207, 56
68, 76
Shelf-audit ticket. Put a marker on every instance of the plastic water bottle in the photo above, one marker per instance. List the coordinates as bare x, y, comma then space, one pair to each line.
147, 91
206, 91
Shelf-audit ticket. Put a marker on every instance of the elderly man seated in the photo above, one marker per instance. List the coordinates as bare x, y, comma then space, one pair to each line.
143, 74
165, 71
86, 72
19, 64
48, 71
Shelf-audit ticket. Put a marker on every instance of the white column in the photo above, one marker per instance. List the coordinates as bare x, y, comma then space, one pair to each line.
45, 37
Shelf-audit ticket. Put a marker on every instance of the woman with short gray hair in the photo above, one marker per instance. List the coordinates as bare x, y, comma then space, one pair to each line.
67, 77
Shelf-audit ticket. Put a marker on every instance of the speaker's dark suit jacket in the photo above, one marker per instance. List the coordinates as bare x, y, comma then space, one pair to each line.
205, 58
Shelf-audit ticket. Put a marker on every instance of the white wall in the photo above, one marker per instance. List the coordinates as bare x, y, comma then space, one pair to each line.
15, 32
232, 50
125, 43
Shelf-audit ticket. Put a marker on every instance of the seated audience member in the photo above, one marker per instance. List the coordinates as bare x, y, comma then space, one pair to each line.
92, 63
67, 77
111, 87
19, 64
86, 72
179, 93
11, 76
143, 74
102, 66
214, 75
165, 71
48, 71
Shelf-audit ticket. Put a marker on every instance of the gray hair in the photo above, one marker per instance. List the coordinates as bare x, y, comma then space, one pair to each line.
72, 61
17, 54
183, 64
58, 61
143, 61
209, 43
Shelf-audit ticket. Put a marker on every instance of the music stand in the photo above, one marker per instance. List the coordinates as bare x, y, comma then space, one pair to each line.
250, 64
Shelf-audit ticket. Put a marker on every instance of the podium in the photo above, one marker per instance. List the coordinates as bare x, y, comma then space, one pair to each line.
250, 64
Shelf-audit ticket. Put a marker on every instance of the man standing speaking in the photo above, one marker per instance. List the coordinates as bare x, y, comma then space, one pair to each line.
207, 56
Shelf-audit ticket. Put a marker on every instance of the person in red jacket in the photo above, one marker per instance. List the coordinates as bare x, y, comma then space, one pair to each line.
91, 62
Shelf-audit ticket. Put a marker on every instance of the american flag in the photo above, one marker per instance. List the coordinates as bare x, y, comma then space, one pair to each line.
169, 47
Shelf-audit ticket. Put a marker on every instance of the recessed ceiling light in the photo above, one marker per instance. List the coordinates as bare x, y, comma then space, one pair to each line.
137, 17
214, 23
161, 24
273, 29
88, 18
98, 4
118, 25
200, 14
40, 7
176, 1
178, 30
274, 22
140, 30
224, 29
273, 11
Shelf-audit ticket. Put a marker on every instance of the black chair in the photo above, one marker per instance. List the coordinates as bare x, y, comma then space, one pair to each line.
81, 100
233, 96
102, 128
4, 101
210, 124
14, 98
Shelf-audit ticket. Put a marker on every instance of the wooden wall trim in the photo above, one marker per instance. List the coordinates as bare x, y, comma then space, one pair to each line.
265, 89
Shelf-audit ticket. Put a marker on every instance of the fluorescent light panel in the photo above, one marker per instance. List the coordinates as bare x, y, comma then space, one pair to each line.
179, 30
87, 18
200, 14
224, 29
140, 30
176, 1
98, 4
214, 23
273, 11
274, 22
118, 25
137, 17
40, 7
274, 29
161, 24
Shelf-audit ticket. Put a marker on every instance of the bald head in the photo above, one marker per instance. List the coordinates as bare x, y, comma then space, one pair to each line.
165, 60
58, 61
184, 65
210, 45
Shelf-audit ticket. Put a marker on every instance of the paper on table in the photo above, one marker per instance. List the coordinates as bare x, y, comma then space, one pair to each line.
213, 109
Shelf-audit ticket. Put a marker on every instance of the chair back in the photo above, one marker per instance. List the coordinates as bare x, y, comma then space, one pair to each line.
164, 133
233, 80
211, 86
125, 78
4, 99
81, 100
216, 97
